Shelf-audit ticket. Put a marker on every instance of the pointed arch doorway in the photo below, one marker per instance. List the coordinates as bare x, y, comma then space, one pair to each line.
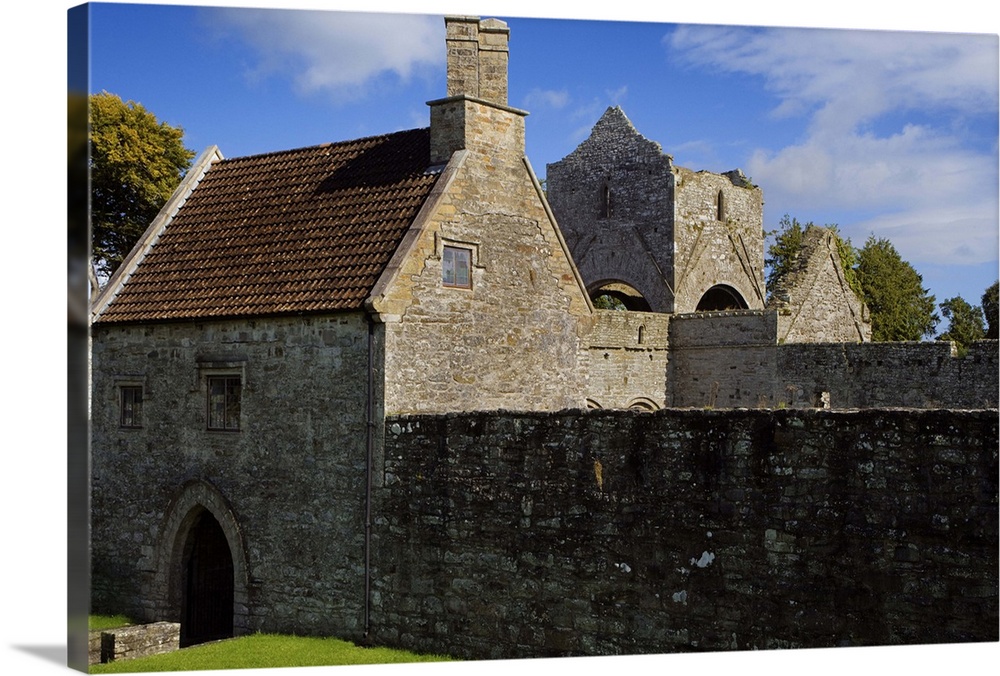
199, 574
207, 583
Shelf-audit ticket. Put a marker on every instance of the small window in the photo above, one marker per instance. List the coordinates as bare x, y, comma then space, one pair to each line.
720, 207
456, 267
130, 406
606, 207
224, 402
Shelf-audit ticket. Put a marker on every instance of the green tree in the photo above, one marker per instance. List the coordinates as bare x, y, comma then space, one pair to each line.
788, 241
136, 162
901, 309
991, 310
608, 302
784, 252
965, 323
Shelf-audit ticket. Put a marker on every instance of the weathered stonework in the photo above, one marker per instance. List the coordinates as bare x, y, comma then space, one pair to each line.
340, 506
477, 58
722, 359
734, 360
815, 303
613, 199
630, 215
719, 238
626, 360
505, 535
513, 337
301, 445
129, 643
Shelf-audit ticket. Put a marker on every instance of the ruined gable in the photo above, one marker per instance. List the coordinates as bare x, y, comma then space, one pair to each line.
612, 197
681, 240
814, 301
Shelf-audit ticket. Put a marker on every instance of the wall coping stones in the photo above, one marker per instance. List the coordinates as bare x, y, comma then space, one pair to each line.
134, 641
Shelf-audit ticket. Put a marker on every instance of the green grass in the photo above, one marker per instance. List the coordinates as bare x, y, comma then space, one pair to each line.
264, 650
101, 622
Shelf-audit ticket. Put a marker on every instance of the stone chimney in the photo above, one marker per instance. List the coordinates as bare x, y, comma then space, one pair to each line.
477, 58
475, 115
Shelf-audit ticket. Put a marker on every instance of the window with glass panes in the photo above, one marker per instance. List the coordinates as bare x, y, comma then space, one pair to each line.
130, 406
456, 267
224, 402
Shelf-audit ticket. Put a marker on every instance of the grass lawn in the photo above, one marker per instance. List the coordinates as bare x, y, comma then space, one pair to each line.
257, 651
102, 622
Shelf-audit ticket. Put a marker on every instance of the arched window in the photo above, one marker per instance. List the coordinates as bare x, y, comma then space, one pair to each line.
606, 205
720, 207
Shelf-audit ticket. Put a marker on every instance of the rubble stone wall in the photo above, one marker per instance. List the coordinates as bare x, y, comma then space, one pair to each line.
284, 487
504, 535
734, 360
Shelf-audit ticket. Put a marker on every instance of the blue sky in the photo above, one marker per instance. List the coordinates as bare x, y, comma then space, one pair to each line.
707, 103
881, 132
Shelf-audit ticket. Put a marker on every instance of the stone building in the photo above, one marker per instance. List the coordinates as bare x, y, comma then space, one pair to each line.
657, 236
277, 309
281, 307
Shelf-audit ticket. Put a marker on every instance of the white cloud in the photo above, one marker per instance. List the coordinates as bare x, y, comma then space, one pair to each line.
546, 98
884, 118
336, 52
616, 96
851, 76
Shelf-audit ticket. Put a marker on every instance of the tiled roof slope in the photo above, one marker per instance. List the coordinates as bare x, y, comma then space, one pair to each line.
306, 230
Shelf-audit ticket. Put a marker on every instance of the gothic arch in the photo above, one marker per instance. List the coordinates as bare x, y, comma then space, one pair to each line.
198, 512
721, 297
643, 404
623, 295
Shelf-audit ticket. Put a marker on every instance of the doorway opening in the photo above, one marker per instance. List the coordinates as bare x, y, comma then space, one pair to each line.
207, 582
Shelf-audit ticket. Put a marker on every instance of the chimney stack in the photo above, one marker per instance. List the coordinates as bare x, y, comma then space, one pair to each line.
474, 115
477, 58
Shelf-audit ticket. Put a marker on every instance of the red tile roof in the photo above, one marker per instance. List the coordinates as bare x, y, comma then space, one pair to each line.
306, 230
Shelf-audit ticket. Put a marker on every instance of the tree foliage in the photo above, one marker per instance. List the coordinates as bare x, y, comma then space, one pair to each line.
901, 309
965, 323
136, 162
788, 242
608, 302
991, 310
785, 249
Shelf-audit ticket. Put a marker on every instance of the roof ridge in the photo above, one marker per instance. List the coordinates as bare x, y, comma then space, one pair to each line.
328, 144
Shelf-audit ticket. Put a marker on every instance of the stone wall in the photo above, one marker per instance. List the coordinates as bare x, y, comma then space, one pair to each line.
129, 643
613, 199
921, 375
722, 359
733, 360
284, 488
626, 360
518, 535
717, 249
